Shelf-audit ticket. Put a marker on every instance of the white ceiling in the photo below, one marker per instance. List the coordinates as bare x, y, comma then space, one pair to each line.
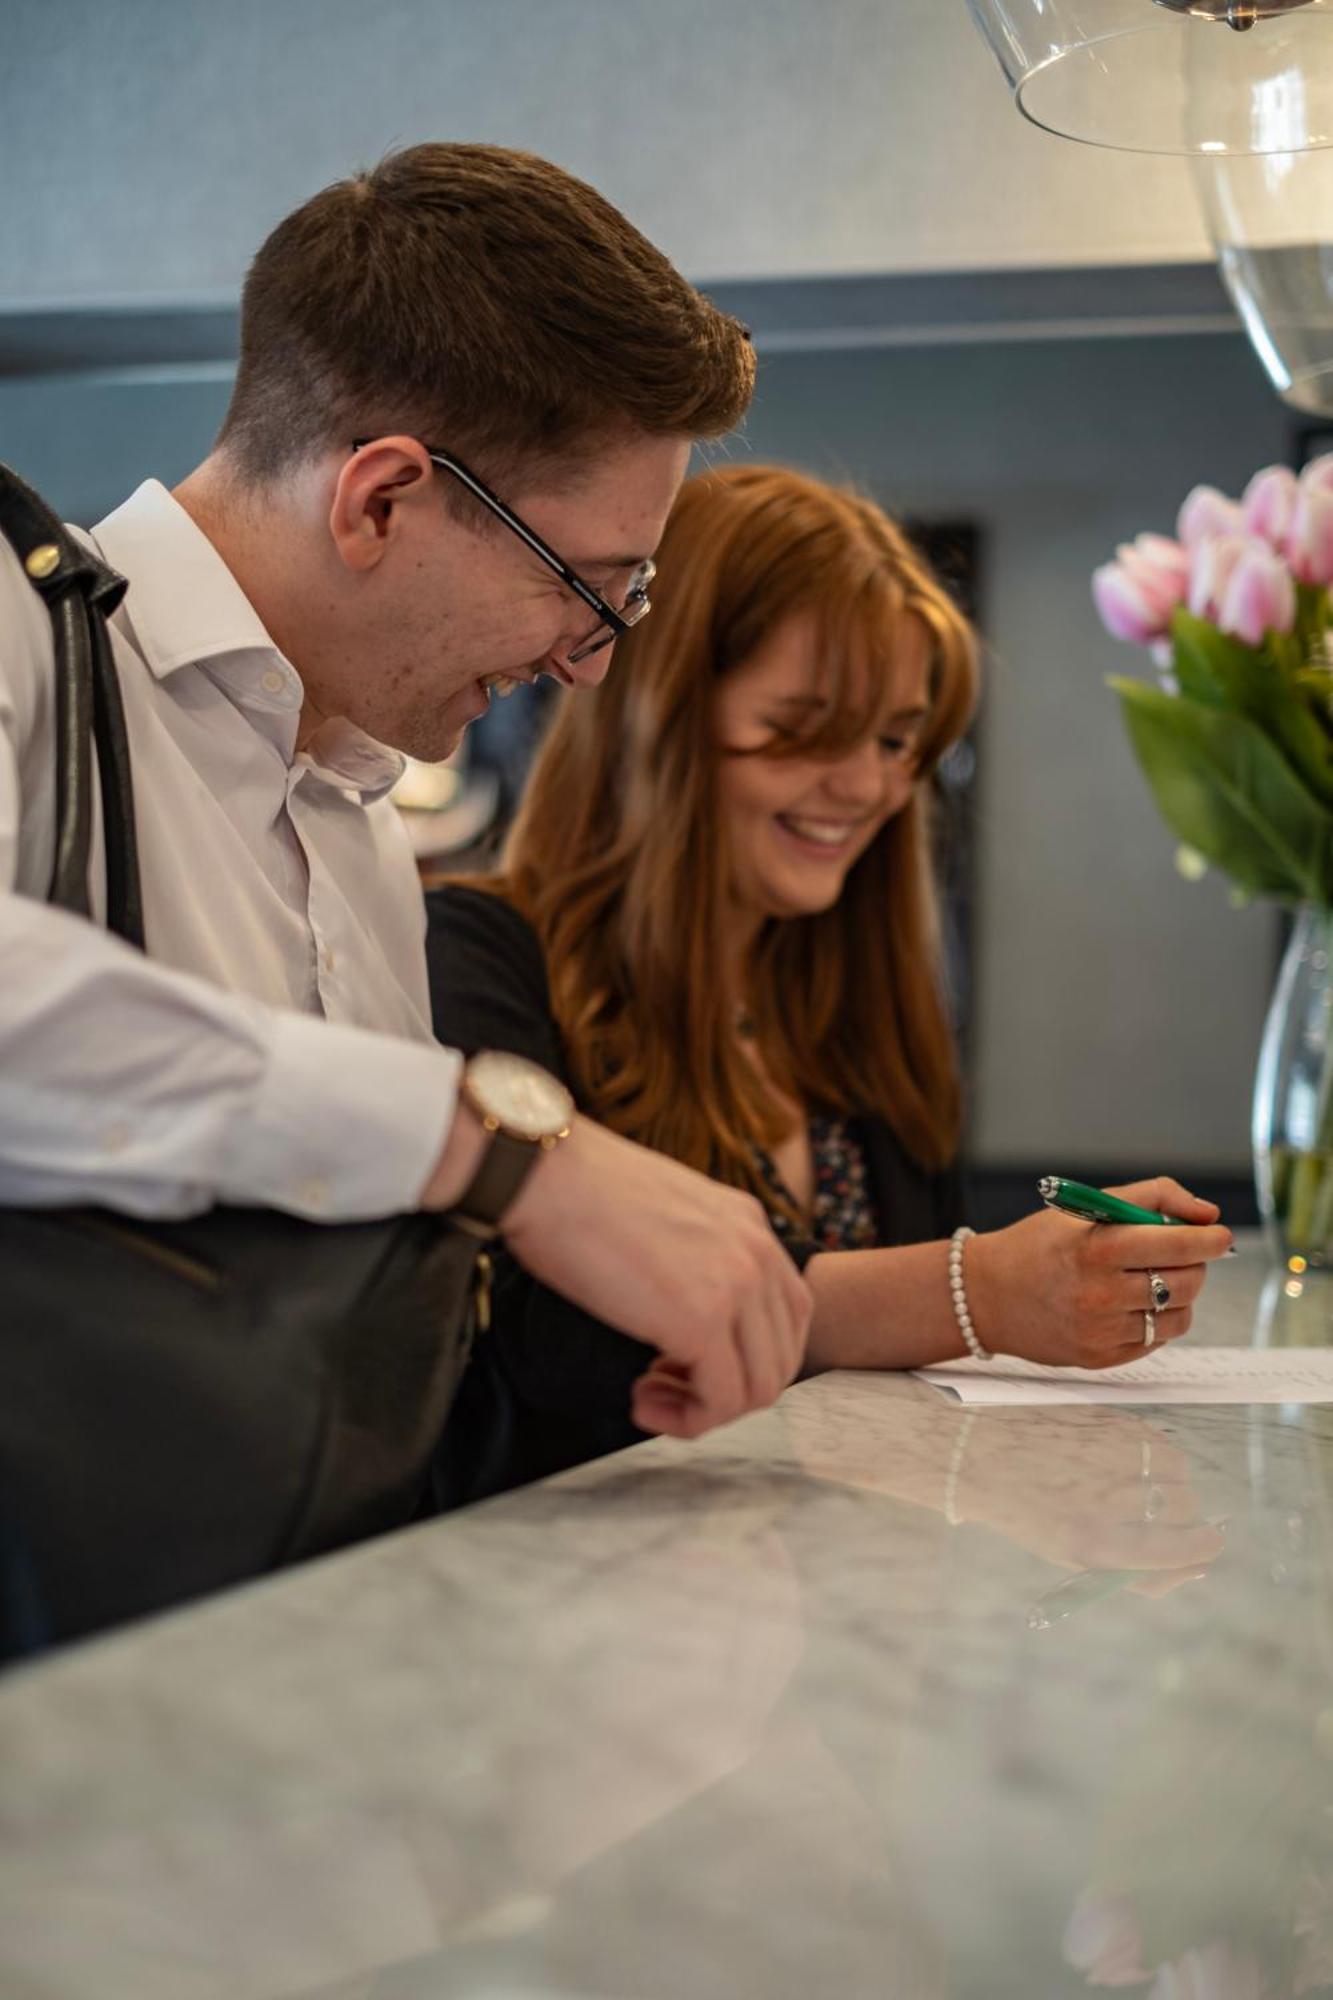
146, 147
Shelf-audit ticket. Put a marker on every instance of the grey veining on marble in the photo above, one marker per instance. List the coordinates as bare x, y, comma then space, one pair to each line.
753, 1717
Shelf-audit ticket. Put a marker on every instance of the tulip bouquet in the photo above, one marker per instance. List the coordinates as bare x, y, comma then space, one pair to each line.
1236, 739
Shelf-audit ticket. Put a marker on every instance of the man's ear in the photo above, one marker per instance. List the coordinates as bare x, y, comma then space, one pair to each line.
374, 488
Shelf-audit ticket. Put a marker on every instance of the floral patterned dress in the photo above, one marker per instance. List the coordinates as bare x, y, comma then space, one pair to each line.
843, 1211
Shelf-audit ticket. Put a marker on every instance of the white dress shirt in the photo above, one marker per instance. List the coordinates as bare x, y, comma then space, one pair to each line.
275, 1044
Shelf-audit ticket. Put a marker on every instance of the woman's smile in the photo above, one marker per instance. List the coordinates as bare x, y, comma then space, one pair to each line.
825, 838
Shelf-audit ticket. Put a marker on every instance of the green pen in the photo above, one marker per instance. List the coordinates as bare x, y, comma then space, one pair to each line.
1091, 1205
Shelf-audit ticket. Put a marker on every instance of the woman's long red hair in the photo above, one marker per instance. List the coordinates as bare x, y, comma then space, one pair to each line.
618, 857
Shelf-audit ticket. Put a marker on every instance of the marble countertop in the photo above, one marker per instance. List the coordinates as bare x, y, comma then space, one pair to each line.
802, 1710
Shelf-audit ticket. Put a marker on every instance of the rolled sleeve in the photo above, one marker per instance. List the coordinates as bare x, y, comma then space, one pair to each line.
343, 1124
126, 1083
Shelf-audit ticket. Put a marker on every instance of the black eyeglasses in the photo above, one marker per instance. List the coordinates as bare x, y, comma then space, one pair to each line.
612, 623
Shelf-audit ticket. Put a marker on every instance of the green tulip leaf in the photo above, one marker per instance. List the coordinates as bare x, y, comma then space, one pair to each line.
1221, 672
1224, 787
1209, 666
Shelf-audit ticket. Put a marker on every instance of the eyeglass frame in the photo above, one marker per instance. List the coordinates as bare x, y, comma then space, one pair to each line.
636, 605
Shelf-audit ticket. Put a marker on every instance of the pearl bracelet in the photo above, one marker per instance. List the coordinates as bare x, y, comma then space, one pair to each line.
961, 1313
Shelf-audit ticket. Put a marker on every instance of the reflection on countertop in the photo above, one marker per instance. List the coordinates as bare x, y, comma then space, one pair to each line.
769, 1715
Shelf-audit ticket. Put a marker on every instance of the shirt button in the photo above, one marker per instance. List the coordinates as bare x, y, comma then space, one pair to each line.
273, 681
314, 1193
330, 958
115, 1138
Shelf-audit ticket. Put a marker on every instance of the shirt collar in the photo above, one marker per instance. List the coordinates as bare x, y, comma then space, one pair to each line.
344, 756
184, 603
186, 607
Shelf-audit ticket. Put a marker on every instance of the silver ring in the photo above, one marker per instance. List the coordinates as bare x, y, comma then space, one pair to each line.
1149, 1328
1161, 1291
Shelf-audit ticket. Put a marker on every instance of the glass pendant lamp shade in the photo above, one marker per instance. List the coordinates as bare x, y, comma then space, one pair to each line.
1271, 221
1215, 77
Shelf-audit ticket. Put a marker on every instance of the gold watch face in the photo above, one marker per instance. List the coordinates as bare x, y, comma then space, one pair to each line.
521, 1097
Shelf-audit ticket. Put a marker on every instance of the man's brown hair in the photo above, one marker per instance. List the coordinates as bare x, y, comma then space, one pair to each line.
483, 301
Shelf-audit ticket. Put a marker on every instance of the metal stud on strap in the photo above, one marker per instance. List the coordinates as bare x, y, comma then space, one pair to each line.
42, 561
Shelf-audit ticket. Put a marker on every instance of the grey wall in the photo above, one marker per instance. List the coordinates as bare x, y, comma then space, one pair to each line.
87, 440
1119, 1007
147, 145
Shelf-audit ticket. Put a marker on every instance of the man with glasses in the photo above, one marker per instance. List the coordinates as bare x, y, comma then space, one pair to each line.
611, 620
327, 593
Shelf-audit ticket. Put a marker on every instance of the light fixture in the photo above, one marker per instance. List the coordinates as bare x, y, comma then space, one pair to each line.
1271, 221
1212, 77
1240, 14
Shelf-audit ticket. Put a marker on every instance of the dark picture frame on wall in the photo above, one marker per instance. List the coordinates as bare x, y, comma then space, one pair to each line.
954, 550
1310, 441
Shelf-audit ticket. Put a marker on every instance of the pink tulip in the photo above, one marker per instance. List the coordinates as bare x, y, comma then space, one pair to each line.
1317, 476
1310, 541
1258, 597
1207, 513
1136, 594
1160, 568
1268, 505
1211, 564
1123, 607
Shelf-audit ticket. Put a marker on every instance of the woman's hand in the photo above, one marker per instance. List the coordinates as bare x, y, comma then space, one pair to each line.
1074, 1294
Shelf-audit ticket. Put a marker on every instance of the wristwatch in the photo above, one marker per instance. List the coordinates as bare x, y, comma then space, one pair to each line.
527, 1112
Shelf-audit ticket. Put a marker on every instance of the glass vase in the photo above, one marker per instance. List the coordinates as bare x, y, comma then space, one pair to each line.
1271, 220
1293, 1100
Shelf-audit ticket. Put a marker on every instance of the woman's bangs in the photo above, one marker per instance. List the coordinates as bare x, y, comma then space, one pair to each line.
858, 630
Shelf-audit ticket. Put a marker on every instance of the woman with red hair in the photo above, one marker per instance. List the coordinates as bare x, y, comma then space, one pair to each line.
716, 918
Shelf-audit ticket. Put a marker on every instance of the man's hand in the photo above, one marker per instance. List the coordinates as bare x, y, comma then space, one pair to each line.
672, 1258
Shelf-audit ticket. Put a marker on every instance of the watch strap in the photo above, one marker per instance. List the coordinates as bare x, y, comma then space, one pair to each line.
505, 1165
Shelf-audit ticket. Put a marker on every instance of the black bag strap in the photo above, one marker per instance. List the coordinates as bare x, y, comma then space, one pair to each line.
80, 592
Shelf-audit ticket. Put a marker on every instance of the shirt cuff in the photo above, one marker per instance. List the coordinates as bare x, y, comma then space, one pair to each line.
346, 1124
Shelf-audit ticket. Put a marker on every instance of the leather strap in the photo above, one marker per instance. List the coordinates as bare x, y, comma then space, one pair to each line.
80, 591
505, 1165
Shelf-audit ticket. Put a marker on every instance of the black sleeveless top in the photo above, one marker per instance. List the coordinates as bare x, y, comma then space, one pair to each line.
549, 1385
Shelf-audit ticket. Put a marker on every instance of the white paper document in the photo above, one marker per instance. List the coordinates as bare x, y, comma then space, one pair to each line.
1178, 1373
